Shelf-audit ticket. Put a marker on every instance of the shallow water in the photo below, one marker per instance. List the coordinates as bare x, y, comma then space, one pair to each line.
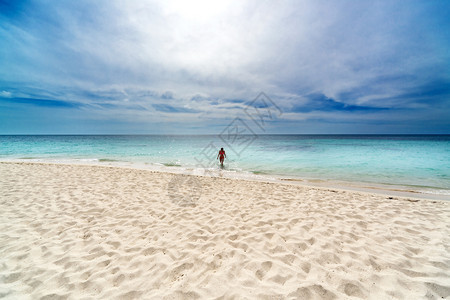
420, 161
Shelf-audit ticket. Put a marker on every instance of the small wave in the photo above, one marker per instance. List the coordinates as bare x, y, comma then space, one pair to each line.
436, 192
259, 172
79, 160
107, 160
170, 164
57, 160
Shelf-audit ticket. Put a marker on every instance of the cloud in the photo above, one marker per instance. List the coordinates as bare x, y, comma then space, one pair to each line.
172, 109
137, 59
320, 102
167, 95
5, 94
43, 102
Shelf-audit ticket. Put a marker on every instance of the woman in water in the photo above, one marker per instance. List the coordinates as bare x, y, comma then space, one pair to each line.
222, 156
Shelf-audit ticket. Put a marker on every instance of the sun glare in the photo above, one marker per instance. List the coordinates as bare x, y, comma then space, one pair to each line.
198, 10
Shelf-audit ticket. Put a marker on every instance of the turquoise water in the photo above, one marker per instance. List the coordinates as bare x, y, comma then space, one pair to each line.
417, 161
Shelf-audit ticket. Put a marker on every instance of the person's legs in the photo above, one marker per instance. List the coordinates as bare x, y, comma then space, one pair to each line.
221, 160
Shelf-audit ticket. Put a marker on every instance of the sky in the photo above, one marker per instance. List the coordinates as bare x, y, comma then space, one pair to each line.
195, 67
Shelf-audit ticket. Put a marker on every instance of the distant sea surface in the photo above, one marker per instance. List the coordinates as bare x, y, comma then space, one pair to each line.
421, 162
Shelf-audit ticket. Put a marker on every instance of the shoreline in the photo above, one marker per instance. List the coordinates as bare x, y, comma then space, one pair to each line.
368, 187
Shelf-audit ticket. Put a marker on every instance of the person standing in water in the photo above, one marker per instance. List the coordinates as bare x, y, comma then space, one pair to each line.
221, 156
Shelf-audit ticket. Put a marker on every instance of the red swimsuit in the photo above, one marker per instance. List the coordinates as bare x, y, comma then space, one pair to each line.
221, 155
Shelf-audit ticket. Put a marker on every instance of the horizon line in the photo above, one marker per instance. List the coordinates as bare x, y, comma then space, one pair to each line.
208, 134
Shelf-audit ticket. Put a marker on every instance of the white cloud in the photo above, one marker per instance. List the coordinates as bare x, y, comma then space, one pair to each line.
5, 94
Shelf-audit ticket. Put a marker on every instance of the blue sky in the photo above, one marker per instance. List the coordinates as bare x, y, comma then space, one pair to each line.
193, 66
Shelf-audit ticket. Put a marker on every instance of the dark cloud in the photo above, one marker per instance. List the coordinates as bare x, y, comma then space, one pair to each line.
320, 102
167, 95
172, 109
43, 102
436, 91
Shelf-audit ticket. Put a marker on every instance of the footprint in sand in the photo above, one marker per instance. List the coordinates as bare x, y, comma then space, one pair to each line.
265, 267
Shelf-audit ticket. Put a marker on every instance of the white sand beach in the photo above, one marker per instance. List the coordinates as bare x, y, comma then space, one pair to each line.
92, 232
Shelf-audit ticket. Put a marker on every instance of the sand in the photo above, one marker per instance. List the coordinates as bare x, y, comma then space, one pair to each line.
92, 232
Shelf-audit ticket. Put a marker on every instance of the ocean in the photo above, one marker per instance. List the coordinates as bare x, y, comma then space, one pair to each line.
416, 162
